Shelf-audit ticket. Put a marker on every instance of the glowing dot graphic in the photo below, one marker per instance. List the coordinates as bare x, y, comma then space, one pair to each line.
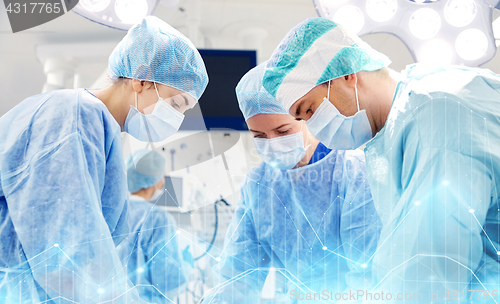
100, 291
364, 265
140, 270
56, 245
217, 259
498, 252
417, 203
445, 183
178, 232
471, 210
324, 248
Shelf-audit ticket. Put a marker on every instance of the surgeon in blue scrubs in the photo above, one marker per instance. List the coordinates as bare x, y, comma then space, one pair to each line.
433, 163
306, 210
63, 189
151, 251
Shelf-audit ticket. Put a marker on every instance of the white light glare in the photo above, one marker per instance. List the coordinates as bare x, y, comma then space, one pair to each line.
94, 5
381, 10
435, 52
424, 23
350, 17
131, 11
460, 12
471, 44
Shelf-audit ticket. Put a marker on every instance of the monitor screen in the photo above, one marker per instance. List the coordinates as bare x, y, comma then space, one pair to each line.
218, 104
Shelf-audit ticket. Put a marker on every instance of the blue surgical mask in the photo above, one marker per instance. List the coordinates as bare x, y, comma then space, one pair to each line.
163, 122
335, 130
282, 152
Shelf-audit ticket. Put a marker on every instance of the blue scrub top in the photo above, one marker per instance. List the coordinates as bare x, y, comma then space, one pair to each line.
434, 170
320, 152
316, 225
151, 252
63, 201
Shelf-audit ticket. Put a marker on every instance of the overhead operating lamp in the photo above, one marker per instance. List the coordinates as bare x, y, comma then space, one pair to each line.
119, 14
434, 31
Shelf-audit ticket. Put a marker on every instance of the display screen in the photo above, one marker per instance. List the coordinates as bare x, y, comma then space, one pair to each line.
218, 103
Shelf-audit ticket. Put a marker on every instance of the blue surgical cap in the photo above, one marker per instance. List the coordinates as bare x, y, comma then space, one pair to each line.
253, 98
313, 52
154, 51
144, 169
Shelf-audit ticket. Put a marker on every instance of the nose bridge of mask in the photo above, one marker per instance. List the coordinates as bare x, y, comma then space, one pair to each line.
280, 144
282, 152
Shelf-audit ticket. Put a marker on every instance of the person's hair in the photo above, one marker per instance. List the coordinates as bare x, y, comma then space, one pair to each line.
119, 81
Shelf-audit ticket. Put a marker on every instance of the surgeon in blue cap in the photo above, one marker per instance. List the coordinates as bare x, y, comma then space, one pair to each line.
306, 210
151, 251
433, 158
63, 189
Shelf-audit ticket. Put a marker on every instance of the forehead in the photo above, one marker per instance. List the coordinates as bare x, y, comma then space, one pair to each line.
268, 122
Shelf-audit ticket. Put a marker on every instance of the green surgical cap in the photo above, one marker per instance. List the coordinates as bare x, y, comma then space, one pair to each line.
313, 52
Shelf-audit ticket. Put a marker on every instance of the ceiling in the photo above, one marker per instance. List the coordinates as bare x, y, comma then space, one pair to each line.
224, 24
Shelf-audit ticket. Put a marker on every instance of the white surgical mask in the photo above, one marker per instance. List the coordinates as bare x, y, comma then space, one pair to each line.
156, 195
335, 130
163, 122
282, 152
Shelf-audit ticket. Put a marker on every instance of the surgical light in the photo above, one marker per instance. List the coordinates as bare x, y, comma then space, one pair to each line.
434, 31
351, 17
424, 23
471, 44
119, 14
460, 13
95, 5
437, 52
131, 11
381, 10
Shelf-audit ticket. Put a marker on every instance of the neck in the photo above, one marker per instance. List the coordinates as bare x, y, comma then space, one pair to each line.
113, 98
146, 193
382, 86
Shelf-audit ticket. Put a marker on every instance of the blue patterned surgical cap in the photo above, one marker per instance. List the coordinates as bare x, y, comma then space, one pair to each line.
154, 51
253, 98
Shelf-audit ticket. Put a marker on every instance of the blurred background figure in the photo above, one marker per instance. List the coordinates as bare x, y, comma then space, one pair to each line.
151, 251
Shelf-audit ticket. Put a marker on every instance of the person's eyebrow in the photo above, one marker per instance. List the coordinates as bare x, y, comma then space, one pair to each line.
299, 108
280, 126
256, 131
186, 100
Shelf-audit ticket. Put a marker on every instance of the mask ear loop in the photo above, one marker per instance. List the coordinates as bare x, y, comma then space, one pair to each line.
136, 102
157, 90
356, 90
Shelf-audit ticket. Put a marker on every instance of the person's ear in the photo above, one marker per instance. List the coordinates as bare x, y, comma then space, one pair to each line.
137, 85
351, 80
